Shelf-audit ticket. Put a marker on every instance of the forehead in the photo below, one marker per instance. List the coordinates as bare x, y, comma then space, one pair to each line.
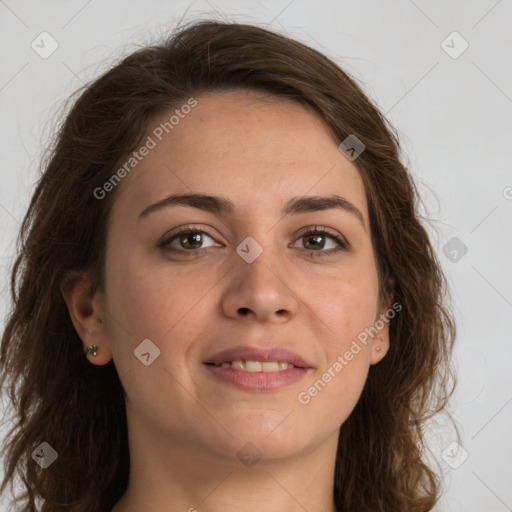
253, 147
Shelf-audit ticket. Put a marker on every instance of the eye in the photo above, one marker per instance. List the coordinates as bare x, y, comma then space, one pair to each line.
190, 239
313, 238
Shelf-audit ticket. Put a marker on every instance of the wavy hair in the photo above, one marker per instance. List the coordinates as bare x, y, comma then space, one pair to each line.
59, 397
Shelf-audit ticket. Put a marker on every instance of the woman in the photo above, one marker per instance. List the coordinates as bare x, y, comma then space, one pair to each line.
224, 297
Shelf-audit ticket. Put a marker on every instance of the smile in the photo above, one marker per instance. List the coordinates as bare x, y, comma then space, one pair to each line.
257, 366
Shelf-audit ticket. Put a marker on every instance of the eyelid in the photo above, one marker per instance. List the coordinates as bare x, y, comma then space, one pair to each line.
335, 236
167, 238
321, 229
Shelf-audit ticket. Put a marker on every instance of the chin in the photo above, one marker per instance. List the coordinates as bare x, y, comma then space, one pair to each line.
272, 441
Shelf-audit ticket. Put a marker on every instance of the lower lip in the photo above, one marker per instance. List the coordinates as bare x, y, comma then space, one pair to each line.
258, 381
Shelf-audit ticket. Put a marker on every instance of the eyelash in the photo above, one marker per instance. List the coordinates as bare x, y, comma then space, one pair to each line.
316, 231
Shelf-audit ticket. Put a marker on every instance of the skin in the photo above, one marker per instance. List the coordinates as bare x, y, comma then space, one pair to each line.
185, 425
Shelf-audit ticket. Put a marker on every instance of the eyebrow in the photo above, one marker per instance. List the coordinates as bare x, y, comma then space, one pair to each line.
221, 205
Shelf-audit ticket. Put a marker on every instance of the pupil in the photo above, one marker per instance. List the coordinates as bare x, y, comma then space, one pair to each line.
191, 236
317, 237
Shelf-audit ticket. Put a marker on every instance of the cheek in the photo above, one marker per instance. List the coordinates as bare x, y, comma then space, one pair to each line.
152, 298
345, 306
159, 302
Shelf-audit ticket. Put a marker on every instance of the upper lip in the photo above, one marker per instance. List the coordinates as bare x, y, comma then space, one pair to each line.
245, 353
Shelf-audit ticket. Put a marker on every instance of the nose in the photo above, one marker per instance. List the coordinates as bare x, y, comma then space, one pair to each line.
261, 290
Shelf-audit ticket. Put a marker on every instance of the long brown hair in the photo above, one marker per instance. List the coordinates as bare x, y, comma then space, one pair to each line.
78, 408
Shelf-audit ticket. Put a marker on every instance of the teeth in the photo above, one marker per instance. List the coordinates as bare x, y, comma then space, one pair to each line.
252, 366
270, 366
238, 365
258, 366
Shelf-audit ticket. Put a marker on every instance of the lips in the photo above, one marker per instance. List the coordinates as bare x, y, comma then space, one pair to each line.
256, 369
243, 353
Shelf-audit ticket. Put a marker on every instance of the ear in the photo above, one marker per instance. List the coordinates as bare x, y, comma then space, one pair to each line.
87, 314
380, 345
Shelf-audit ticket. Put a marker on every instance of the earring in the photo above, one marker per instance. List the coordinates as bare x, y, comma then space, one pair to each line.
91, 350
378, 348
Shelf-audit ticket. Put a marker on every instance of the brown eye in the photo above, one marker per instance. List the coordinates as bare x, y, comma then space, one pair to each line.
188, 241
315, 241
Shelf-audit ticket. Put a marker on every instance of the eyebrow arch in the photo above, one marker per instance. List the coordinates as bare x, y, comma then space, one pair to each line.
221, 205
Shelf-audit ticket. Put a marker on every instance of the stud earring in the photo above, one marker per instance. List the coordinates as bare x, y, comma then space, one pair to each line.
91, 350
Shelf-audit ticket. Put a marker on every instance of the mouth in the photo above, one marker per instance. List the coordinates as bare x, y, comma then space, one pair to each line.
257, 369
255, 366
253, 359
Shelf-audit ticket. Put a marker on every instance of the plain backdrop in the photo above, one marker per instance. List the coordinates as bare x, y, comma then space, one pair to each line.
439, 70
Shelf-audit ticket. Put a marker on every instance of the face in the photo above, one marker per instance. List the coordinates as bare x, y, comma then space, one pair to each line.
256, 275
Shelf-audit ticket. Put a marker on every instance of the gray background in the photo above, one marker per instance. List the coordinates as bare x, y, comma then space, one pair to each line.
452, 110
